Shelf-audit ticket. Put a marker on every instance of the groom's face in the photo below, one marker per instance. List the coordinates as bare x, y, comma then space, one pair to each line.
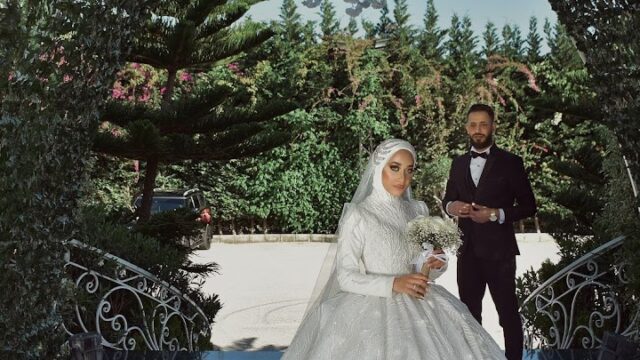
480, 129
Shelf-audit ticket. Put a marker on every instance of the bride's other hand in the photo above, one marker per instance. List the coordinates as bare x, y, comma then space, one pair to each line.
412, 284
435, 263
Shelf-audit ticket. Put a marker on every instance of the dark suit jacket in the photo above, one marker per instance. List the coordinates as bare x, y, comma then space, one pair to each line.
503, 185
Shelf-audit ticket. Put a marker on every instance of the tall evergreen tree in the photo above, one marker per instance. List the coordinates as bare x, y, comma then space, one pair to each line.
534, 42
491, 40
384, 27
214, 123
432, 37
290, 22
369, 29
549, 35
512, 42
563, 53
329, 24
352, 27
461, 47
403, 31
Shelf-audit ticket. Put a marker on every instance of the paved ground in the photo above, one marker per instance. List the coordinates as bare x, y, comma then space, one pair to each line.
265, 287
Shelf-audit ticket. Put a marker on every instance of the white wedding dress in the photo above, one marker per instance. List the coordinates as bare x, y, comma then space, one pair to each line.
364, 318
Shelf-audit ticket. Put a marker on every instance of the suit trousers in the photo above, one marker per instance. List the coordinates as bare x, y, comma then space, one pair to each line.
474, 275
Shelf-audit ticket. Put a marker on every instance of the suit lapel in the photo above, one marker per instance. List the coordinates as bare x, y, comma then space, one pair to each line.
493, 155
467, 173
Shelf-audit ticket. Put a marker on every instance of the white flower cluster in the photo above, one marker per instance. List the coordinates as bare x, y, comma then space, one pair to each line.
434, 232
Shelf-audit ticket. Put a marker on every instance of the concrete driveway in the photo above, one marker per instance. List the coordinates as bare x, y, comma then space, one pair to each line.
265, 287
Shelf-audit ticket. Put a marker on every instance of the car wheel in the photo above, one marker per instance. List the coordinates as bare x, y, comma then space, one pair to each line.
206, 238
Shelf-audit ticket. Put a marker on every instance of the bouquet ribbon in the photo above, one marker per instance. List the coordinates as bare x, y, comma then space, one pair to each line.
425, 255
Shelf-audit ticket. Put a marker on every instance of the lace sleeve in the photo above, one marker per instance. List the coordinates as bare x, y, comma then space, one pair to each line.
350, 278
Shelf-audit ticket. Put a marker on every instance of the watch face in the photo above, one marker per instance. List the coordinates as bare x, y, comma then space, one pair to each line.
493, 217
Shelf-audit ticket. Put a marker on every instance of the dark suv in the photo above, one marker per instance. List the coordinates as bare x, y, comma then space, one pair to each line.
167, 200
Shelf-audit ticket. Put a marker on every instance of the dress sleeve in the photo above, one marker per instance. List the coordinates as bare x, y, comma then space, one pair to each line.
350, 247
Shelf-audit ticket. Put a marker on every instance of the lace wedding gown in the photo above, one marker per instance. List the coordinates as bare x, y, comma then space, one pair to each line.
366, 319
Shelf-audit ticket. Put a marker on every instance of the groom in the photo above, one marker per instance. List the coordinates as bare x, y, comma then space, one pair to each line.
488, 190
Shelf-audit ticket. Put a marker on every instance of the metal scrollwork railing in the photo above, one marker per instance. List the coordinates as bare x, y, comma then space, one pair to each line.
574, 307
129, 307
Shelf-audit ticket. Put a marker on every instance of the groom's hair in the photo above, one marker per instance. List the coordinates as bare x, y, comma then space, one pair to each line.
482, 107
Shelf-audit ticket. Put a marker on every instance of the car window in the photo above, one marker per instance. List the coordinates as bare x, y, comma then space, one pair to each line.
190, 203
161, 204
203, 202
196, 201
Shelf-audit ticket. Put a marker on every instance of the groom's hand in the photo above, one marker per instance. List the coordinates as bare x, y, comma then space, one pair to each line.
480, 214
459, 209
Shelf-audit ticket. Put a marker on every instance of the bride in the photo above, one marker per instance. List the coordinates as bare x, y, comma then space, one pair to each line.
373, 305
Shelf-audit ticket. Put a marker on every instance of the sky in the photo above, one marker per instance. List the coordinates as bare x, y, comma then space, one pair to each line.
500, 12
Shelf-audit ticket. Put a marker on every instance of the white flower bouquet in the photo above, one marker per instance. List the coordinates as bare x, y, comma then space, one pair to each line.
432, 232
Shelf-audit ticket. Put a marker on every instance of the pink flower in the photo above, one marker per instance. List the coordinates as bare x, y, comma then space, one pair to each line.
62, 61
235, 68
136, 165
185, 76
146, 95
135, 65
530, 77
533, 85
502, 101
163, 90
67, 78
118, 91
11, 76
418, 100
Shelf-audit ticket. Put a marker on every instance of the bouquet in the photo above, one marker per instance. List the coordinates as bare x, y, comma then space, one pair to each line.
432, 232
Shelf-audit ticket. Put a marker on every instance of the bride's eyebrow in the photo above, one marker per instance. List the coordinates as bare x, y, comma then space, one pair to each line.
399, 164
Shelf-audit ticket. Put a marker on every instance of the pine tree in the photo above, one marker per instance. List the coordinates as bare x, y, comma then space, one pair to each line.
403, 32
512, 42
329, 24
534, 42
564, 53
549, 35
431, 39
352, 27
290, 22
384, 27
192, 126
491, 40
461, 47
369, 29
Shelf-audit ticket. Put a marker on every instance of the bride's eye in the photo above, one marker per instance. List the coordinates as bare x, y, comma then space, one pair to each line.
394, 168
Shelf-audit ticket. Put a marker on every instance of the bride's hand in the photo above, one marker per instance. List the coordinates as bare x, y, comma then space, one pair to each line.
412, 284
435, 263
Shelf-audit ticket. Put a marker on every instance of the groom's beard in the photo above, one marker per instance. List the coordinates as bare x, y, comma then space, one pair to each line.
482, 143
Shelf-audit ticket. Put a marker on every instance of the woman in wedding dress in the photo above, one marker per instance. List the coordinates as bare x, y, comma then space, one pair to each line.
374, 306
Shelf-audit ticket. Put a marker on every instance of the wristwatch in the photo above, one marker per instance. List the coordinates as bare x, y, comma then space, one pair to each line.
493, 216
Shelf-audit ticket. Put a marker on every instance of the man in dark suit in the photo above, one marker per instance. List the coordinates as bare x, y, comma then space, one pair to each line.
488, 190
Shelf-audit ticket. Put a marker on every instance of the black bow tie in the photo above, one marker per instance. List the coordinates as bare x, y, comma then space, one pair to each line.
476, 154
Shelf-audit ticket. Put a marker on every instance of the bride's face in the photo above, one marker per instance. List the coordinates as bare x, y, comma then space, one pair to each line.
398, 173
